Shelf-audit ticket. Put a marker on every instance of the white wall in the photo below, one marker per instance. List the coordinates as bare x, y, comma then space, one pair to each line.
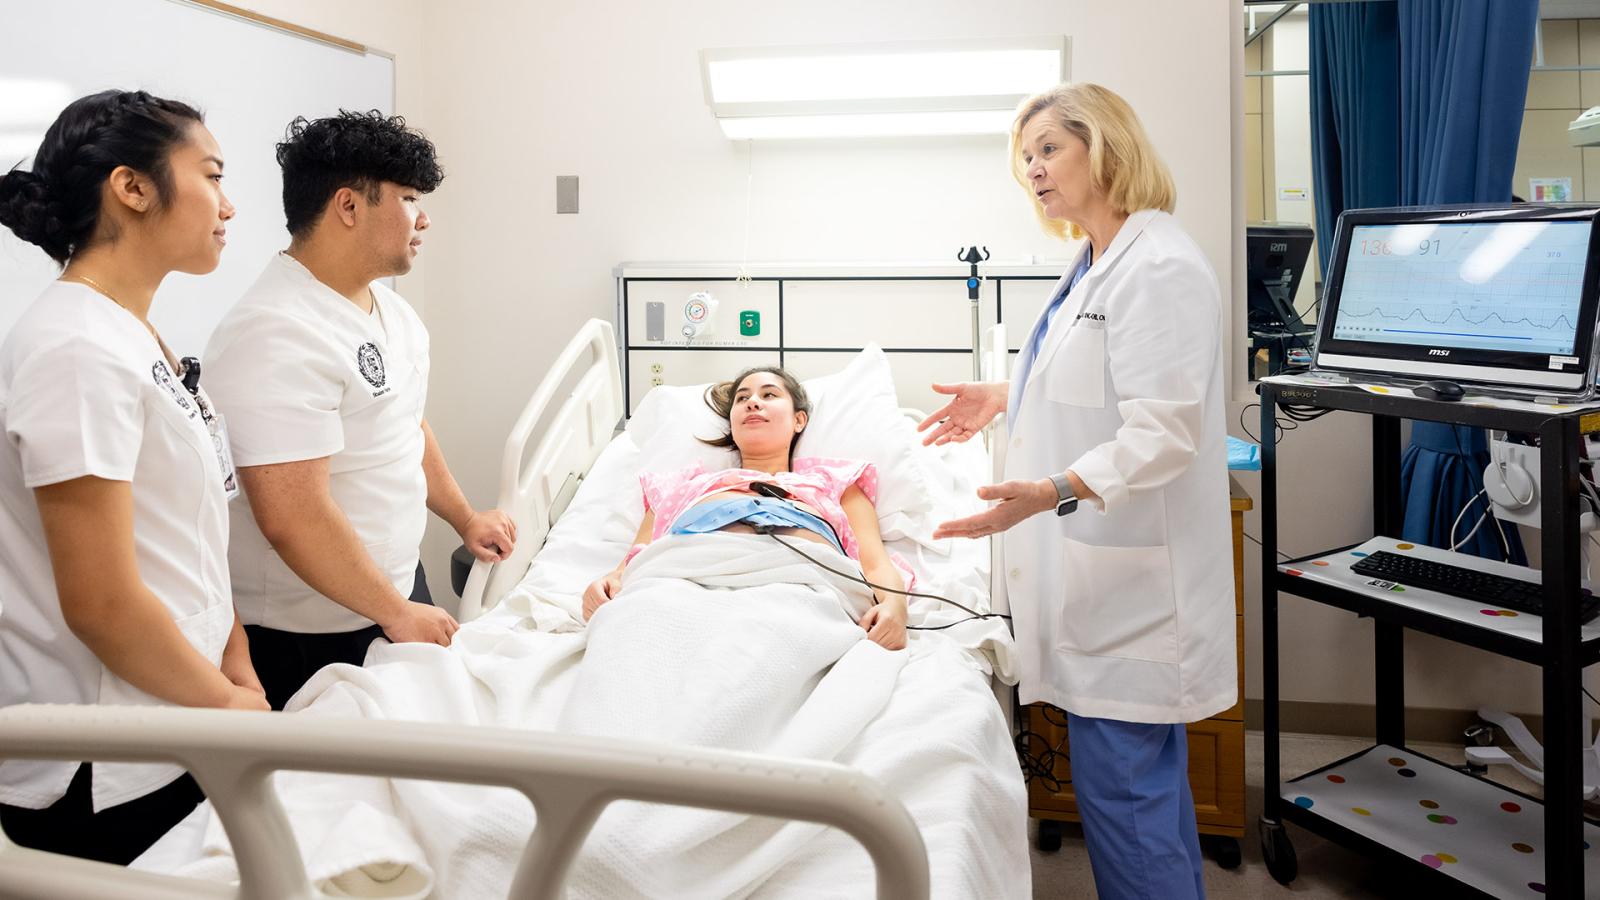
392, 26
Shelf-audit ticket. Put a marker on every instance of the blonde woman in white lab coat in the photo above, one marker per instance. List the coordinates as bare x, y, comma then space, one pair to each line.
1113, 514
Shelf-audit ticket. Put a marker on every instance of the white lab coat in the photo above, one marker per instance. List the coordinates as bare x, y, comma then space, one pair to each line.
1124, 610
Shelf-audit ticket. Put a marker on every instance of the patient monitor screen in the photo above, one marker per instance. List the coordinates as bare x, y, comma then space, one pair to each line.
1505, 286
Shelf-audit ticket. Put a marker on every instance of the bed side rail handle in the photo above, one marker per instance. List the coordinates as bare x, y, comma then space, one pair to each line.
569, 779
597, 403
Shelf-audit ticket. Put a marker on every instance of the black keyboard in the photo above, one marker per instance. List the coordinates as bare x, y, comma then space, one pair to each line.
1459, 581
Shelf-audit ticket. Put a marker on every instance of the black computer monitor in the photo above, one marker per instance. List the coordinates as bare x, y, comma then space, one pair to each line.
1495, 294
1275, 261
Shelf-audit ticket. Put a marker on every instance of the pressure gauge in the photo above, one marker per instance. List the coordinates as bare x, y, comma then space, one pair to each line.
699, 314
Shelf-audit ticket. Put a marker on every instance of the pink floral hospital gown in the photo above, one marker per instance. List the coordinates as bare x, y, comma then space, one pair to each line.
816, 481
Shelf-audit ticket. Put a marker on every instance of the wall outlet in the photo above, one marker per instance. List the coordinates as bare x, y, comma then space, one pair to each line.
566, 193
655, 368
656, 381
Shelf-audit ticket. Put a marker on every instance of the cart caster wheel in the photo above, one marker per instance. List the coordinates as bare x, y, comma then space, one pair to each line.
1278, 852
1225, 850
1049, 836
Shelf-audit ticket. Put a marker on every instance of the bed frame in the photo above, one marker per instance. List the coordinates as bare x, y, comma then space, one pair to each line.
569, 779
538, 478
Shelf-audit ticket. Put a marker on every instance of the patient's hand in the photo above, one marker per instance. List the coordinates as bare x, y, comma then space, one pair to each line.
600, 592
885, 623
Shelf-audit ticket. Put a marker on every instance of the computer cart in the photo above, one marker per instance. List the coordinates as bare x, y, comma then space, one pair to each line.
1477, 837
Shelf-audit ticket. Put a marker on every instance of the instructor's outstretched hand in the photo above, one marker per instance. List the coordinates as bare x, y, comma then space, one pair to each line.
975, 405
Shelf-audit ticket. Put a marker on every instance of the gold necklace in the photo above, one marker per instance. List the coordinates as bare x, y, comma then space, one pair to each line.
100, 289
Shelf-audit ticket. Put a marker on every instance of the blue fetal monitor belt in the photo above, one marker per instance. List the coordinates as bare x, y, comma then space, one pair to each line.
754, 511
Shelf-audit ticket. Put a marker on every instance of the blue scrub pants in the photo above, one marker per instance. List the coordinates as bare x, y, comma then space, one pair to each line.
1132, 785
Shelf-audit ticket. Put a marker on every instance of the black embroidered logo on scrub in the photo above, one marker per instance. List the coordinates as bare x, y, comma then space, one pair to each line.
370, 362
163, 377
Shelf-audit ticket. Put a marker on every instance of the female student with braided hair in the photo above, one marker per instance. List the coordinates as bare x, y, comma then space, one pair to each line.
114, 583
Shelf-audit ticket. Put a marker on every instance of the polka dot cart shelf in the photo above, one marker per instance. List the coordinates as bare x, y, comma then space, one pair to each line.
1334, 569
1469, 829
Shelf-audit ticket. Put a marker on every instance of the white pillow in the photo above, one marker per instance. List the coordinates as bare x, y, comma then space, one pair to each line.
854, 415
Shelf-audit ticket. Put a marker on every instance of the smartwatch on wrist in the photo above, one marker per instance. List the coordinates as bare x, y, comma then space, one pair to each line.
1066, 500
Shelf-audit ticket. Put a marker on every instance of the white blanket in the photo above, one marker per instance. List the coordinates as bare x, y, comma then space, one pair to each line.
719, 640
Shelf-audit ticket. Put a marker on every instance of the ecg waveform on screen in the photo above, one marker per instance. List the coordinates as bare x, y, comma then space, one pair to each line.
1527, 302
1559, 322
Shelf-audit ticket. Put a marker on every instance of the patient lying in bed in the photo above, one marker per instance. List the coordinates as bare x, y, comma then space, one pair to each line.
826, 501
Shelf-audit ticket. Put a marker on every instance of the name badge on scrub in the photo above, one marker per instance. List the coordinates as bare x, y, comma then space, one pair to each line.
216, 428
219, 440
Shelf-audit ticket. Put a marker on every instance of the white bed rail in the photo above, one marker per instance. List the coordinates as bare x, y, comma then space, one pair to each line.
569, 780
536, 487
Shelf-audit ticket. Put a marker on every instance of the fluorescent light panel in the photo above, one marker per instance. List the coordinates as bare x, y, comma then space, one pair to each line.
873, 90
986, 121
881, 75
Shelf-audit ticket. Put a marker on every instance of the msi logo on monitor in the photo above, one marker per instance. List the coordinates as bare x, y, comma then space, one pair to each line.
1438, 352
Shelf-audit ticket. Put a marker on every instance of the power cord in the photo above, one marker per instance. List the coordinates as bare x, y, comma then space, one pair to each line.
1488, 513
1041, 763
766, 530
1252, 539
1281, 426
1457, 545
1299, 412
1292, 415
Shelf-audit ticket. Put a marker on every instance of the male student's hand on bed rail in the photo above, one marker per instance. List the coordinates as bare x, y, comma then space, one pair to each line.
601, 591
490, 535
975, 405
885, 624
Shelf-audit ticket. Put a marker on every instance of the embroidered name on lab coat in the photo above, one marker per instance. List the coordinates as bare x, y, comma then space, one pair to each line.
1093, 318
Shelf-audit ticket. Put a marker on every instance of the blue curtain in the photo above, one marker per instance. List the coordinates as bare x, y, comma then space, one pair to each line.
1420, 102
1355, 111
1463, 83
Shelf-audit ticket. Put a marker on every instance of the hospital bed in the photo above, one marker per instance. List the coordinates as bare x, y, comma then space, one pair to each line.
568, 427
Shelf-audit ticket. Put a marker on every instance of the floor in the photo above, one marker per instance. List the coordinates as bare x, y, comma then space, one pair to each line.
1326, 870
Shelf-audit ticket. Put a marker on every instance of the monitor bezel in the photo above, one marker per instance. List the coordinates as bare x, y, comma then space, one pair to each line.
1498, 367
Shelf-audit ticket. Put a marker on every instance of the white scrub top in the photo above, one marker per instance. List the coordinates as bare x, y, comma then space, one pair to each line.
85, 390
301, 373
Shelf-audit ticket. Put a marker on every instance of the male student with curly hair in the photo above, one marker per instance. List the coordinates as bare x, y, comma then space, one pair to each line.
322, 373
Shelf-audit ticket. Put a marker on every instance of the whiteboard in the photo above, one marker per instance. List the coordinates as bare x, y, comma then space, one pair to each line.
250, 81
